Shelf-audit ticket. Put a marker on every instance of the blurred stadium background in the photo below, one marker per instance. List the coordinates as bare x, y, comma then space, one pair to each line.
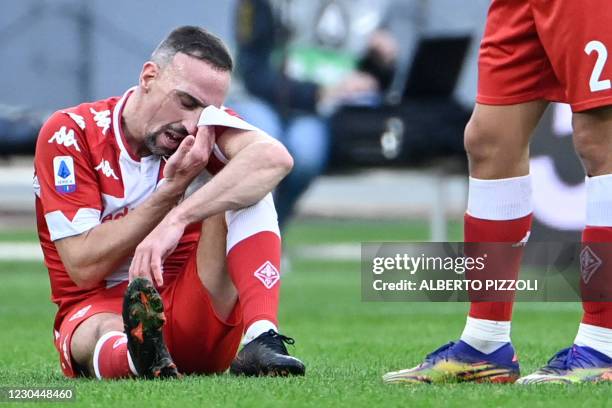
57, 53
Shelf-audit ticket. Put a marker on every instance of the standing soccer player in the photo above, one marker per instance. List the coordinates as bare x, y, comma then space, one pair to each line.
533, 52
109, 181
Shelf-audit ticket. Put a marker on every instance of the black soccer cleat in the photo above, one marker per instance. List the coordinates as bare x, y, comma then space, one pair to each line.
266, 355
143, 319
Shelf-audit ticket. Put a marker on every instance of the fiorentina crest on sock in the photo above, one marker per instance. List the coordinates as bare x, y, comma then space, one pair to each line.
589, 263
267, 274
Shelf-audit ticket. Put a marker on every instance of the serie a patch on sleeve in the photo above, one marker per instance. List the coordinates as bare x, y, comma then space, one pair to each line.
65, 177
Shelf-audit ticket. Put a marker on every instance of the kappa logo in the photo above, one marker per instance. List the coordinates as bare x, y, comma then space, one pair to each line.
102, 119
121, 340
67, 358
267, 274
106, 169
589, 263
82, 312
65, 137
522, 242
78, 119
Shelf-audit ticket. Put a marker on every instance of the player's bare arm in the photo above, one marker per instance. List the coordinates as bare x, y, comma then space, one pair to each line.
94, 254
257, 163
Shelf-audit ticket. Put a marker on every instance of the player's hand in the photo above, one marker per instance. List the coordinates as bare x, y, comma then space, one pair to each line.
153, 251
190, 158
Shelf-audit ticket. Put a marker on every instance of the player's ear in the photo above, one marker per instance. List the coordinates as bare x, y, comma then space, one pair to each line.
150, 71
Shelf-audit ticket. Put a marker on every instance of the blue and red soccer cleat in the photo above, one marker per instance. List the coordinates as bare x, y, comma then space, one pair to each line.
576, 364
460, 362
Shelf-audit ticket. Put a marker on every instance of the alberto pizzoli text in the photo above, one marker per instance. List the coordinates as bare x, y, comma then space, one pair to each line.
456, 285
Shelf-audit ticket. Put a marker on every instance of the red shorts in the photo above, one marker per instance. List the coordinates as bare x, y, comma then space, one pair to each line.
198, 340
555, 50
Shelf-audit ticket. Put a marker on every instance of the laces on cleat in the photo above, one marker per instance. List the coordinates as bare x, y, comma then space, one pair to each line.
267, 355
271, 339
566, 359
440, 353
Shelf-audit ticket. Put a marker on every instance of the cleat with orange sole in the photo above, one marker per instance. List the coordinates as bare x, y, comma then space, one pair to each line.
143, 319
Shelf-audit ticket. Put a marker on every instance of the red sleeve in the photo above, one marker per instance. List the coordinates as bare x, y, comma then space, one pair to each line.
67, 183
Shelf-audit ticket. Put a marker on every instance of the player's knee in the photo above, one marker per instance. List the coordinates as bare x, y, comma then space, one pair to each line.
495, 151
87, 334
480, 141
592, 142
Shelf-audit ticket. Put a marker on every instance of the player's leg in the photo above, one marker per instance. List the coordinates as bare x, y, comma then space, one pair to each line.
211, 298
515, 79
590, 357
212, 266
204, 322
92, 347
579, 54
592, 139
90, 338
499, 210
253, 263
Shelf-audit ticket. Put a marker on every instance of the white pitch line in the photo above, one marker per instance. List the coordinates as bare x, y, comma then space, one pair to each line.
20, 251
328, 252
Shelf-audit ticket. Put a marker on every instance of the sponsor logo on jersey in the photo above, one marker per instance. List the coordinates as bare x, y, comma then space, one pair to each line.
78, 119
102, 119
65, 137
267, 274
116, 215
63, 171
106, 169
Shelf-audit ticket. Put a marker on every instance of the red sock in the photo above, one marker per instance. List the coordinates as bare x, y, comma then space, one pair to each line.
486, 231
254, 265
595, 281
111, 356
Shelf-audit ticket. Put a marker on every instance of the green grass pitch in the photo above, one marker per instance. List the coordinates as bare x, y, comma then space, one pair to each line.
346, 344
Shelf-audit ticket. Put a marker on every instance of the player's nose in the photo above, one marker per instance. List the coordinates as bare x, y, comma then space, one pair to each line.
191, 125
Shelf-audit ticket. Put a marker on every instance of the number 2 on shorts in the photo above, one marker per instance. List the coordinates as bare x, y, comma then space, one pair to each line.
595, 83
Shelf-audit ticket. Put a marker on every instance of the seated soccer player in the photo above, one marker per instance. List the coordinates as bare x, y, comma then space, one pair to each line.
110, 177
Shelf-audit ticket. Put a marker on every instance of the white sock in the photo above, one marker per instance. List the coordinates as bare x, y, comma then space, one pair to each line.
486, 336
501, 199
599, 201
257, 328
598, 338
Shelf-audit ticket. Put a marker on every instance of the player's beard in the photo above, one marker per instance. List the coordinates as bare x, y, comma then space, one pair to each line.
158, 140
